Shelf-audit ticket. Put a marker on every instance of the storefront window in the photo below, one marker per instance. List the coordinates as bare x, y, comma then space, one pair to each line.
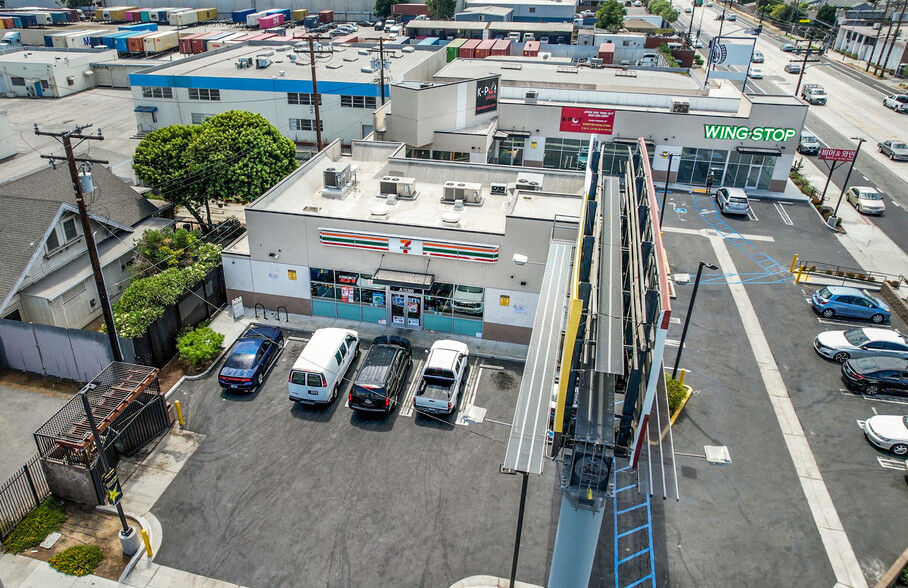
320, 290
441, 290
346, 287
564, 153
321, 275
741, 170
614, 159
510, 151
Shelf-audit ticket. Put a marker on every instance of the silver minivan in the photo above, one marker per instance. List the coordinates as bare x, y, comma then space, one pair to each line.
732, 201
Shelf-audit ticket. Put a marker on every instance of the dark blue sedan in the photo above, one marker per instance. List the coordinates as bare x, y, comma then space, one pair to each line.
252, 354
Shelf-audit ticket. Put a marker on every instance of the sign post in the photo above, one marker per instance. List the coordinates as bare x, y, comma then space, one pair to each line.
837, 157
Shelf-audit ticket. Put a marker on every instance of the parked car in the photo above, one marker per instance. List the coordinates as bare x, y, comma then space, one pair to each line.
697, 43
888, 432
732, 201
787, 48
319, 370
377, 386
688, 10
872, 375
894, 149
793, 68
250, 358
808, 144
731, 17
866, 200
861, 342
755, 72
897, 102
757, 57
844, 301
442, 377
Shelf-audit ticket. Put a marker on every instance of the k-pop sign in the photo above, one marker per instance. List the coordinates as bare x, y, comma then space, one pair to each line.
486, 95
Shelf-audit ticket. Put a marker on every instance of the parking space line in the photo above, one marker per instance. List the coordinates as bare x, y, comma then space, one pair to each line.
887, 398
406, 407
751, 214
469, 397
891, 464
781, 210
839, 552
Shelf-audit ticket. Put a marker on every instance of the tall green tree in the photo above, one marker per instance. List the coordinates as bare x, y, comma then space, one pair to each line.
610, 15
234, 156
441, 9
382, 8
826, 14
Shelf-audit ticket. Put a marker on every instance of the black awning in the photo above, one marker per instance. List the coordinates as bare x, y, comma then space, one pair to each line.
385, 277
524, 134
145, 109
759, 151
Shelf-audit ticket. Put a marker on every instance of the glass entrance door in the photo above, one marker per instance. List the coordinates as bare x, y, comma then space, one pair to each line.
406, 310
753, 176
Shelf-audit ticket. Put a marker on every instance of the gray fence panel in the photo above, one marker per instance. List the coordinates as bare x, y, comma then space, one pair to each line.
18, 347
58, 356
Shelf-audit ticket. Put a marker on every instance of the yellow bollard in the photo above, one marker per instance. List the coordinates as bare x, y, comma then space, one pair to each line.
800, 271
176, 403
681, 379
147, 542
793, 262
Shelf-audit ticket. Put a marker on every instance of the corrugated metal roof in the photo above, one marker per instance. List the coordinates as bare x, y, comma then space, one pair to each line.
527, 443
609, 330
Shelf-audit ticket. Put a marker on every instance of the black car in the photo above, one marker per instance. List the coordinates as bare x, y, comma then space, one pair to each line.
249, 359
380, 379
873, 375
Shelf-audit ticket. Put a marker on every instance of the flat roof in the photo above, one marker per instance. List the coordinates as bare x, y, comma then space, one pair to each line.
559, 27
344, 64
304, 193
52, 55
447, 24
500, 10
547, 3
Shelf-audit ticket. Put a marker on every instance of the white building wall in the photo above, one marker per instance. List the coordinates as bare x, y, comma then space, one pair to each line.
56, 73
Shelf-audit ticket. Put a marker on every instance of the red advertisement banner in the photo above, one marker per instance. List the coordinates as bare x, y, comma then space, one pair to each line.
829, 154
587, 120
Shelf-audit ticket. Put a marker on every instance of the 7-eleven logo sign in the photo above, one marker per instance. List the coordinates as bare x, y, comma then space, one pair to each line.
405, 246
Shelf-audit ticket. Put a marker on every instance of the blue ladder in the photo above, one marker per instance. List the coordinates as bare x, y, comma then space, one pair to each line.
634, 561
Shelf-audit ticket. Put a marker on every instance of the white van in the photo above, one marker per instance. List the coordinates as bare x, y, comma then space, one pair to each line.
317, 374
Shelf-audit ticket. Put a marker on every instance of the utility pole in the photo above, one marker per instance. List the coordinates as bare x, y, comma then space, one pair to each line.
315, 97
803, 67
876, 43
690, 29
381, 68
66, 139
892, 39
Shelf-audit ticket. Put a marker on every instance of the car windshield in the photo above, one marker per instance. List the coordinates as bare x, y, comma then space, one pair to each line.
870, 196
738, 199
824, 294
856, 337
898, 146
240, 361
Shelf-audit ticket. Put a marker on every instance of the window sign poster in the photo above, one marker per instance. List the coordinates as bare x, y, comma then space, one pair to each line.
291, 274
347, 293
587, 120
398, 320
378, 299
486, 95
413, 322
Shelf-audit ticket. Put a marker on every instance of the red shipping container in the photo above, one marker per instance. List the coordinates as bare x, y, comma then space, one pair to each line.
531, 49
409, 9
326, 16
351, 38
137, 44
186, 43
198, 43
501, 47
484, 49
468, 49
607, 53
135, 15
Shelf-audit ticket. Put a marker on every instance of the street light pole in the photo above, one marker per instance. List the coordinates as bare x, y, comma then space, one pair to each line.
690, 309
668, 174
803, 67
860, 140
690, 29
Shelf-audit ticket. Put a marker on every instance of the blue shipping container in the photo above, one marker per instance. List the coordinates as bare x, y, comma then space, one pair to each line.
239, 16
142, 26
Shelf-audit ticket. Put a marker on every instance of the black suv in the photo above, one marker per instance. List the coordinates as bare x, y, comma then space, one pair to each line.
382, 375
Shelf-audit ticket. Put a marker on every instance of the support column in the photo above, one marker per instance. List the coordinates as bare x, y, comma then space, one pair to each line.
575, 546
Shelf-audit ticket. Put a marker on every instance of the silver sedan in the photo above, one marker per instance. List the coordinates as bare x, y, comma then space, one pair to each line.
894, 149
863, 342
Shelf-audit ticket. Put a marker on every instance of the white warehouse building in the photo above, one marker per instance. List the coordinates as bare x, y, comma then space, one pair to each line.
38, 72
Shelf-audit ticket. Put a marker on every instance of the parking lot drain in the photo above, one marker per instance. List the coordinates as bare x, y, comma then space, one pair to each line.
717, 454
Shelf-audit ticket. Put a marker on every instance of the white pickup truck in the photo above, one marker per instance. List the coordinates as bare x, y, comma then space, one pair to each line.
442, 377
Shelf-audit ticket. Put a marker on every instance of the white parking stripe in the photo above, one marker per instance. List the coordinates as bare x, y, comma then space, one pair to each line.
469, 397
406, 405
781, 210
841, 555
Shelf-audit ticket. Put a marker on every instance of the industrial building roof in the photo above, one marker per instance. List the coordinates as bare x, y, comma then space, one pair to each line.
304, 191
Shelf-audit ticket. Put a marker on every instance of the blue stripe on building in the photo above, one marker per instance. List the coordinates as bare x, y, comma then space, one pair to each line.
256, 84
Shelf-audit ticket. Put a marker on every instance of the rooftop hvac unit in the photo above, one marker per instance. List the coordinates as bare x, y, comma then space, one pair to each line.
527, 181
680, 106
243, 62
400, 187
532, 96
462, 192
261, 62
337, 177
499, 189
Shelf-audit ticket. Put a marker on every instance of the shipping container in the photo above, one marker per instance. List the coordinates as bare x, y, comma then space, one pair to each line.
216, 37
484, 49
230, 39
81, 40
239, 16
148, 27
59, 39
160, 15
10, 22
453, 49
136, 44
501, 47
607, 53
116, 13
326, 16
186, 42
285, 11
50, 40
531, 49
41, 18
161, 41
253, 19
182, 19
134, 15
272, 20
409, 9
299, 15
20, 21
121, 43
206, 14
468, 48
145, 15
198, 43
310, 21
351, 38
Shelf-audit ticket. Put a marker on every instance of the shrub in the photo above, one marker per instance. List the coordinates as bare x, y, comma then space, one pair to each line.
36, 526
849, 275
676, 394
80, 560
199, 347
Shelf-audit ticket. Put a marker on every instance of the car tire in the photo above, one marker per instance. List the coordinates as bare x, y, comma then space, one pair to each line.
334, 394
872, 390
899, 449
280, 344
877, 319
891, 156
841, 357
260, 380
828, 313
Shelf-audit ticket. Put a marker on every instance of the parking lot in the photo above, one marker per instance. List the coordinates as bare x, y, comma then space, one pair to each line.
282, 494
751, 519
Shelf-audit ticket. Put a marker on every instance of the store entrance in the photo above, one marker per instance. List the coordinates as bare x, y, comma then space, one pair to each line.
406, 308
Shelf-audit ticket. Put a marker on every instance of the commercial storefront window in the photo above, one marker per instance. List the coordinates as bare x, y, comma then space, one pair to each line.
614, 158
565, 154
454, 308
346, 295
510, 151
450, 156
730, 168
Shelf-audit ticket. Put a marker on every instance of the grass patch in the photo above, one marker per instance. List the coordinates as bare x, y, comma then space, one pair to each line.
676, 394
80, 560
36, 526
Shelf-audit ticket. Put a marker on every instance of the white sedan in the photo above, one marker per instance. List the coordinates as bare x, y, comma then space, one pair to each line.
756, 72
866, 200
696, 44
888, 432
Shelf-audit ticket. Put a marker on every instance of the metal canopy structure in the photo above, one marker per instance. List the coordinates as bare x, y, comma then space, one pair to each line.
527, 442
386, 277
